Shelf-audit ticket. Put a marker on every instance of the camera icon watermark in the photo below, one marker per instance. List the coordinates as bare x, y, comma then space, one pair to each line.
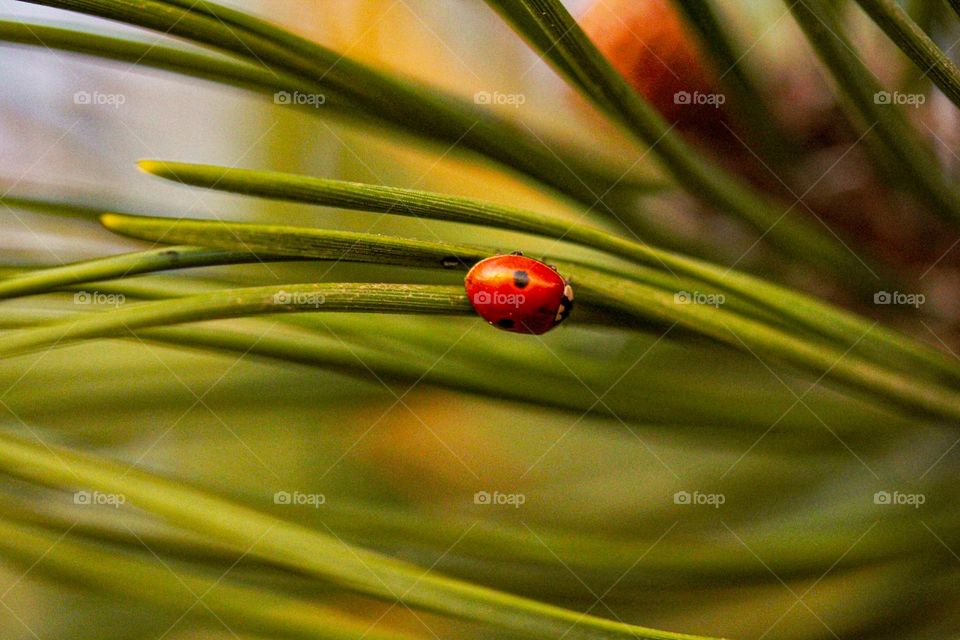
298, 499
499, 298
699, 297
99, 298
514, 100
96, 98
299, 298
896, 498
897, 298
699, 499
698, 98
96, 498
515, 500
298, 98
914, 100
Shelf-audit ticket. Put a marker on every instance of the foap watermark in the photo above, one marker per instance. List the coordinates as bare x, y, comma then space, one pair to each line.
99, 298
514, 500
699, 297
896, 97
96, 498
896, 498
896, 297
298, 499
503, 99
499, 298
699, 499
299, 298
98, 99
699, 98
300, 99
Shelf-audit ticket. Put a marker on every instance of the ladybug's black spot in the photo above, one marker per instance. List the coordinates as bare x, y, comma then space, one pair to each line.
505, 323
521, 279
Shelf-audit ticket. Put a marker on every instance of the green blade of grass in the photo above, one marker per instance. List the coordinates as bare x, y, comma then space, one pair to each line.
279, 240
326, 244
302, 549
341, 352
360, 298
571, 50
401, 103
579, 171
355, 247
41, 280
876, 342
913, 159
355, 358
592, 555
644, 301
880, 384
330, 345
78, 204
955, 5
414, 353
747, 101
251, 77
917, 45
178, 587
151, 54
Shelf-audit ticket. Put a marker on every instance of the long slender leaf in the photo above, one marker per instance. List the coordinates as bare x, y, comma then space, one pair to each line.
79, 205
42, 280
593, 556
178, 587
572, 52
401, 103
743, 333
360, 298
746, 98
644, 301
302, 549
324, 244
151, 54
252, 77
955, 4
844, 328
400, 352
857, 83
341, 246
919, 47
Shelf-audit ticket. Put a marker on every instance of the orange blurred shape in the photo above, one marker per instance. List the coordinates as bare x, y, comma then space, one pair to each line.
650, 45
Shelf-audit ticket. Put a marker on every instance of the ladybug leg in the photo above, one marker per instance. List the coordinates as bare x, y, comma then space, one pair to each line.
516, 253
552, 266
566, 303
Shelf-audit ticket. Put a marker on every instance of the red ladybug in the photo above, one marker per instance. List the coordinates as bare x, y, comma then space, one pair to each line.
519, 294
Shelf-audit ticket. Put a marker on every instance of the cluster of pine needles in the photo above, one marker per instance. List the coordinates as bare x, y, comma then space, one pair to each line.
709, 468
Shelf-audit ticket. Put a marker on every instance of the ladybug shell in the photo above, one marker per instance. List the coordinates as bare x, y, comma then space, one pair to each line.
518, 294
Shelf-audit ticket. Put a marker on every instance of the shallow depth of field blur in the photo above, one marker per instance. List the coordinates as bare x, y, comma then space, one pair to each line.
701, 489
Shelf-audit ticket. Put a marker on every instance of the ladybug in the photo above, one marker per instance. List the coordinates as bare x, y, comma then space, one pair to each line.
519, 294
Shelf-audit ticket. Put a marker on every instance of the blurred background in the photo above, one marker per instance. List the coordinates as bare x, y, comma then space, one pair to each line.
708, 491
